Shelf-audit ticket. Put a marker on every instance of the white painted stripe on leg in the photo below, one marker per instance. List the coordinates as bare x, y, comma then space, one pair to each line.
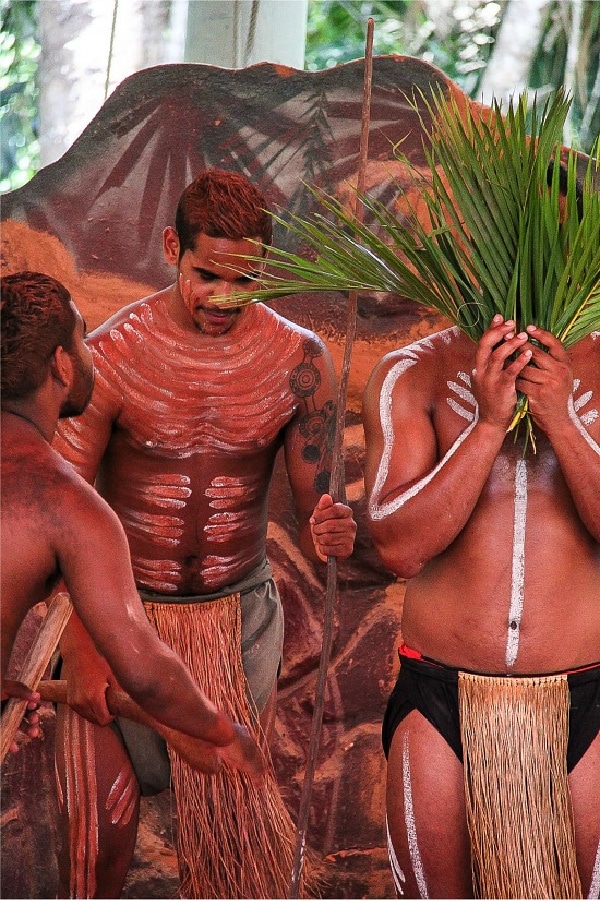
399, 877
594, 891
411, 826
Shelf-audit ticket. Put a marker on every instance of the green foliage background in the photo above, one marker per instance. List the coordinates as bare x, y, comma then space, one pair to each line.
337, 33
19, 52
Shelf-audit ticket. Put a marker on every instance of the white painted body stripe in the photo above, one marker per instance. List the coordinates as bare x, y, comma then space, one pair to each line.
580, 427
385, 413
594, 891
411, 826
380, 511
399, 877
517, 595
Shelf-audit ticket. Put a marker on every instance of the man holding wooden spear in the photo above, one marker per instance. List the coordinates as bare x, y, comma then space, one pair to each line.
191, 405
54, 526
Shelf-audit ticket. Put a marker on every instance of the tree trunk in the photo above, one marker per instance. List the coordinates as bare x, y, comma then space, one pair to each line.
570, 77
87, 48
516, 45
238, 33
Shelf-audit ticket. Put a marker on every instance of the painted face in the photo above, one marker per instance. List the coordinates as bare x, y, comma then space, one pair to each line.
210, 270
83, 372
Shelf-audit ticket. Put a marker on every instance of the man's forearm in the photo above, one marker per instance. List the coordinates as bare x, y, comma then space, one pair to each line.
579, 457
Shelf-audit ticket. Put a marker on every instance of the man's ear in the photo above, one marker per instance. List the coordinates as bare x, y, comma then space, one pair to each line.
171, 245
61, 367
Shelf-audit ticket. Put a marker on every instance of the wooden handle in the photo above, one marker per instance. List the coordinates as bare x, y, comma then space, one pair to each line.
34, 666
200, 755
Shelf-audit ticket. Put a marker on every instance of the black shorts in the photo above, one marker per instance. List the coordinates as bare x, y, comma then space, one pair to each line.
432, 689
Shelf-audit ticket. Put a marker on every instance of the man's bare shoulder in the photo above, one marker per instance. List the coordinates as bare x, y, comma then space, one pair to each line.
267, 315
38, 483
125, 314
588, 349
427, 356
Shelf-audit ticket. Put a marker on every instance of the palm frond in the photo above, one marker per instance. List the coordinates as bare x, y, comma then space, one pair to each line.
510, 228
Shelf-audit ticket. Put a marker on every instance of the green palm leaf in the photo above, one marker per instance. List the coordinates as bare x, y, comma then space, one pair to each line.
503, 236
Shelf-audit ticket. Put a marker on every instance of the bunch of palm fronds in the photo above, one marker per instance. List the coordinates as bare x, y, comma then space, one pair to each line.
512, 228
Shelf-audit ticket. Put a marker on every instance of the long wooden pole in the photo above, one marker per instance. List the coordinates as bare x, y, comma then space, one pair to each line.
38, 658
337, 492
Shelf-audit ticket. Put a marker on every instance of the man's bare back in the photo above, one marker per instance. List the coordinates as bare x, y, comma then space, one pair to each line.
32, 510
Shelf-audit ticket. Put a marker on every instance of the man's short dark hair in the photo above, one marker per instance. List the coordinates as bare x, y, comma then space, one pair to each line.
36, 317
222, 204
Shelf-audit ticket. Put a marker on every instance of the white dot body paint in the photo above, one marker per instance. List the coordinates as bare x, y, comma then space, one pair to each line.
397, 874
517, 594
594, 891
411, 826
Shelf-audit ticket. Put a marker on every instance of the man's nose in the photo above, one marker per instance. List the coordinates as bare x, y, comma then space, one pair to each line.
221, 287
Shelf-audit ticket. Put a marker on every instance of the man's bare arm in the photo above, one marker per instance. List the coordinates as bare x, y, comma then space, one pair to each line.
326, 528
419, 502
548, 383
83, 442
93, 556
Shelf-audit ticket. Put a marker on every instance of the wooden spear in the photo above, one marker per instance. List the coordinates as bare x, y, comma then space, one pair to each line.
338, 493
38, 658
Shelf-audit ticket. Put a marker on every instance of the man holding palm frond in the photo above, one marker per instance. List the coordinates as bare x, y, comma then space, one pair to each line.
483, 485
502, 553
494, 779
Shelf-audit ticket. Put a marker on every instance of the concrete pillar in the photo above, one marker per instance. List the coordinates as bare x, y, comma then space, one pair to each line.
238, 33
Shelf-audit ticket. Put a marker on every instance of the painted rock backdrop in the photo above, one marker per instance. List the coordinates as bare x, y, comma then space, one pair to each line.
94, 220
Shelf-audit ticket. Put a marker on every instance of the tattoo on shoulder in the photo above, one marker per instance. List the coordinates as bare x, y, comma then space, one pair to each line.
305, 378
316, 426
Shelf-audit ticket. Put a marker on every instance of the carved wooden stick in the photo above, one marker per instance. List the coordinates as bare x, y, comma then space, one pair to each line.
337, 492
35, 665
198, 754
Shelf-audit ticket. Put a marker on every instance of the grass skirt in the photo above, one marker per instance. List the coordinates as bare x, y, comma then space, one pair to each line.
514, 733
234, 841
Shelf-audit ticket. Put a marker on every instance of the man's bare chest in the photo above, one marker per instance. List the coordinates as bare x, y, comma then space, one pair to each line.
455, 405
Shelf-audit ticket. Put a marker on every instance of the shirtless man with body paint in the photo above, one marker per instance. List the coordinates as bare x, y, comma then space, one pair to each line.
192, 403
54, 526
502, 555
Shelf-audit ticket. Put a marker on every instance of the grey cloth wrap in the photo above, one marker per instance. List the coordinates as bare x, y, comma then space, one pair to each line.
262, 649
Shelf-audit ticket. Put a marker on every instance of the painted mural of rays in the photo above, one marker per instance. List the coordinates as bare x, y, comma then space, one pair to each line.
283, 128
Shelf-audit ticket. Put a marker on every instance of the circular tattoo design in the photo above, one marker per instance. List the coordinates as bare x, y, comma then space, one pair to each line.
311, 453
311, 348
305, 379
312, 425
